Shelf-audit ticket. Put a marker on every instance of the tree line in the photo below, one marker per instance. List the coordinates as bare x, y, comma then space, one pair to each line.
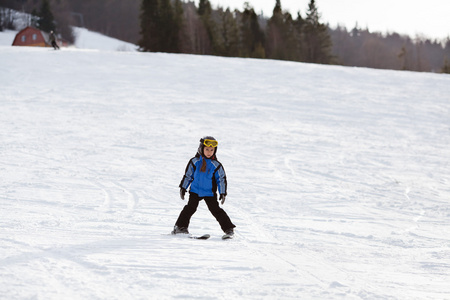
178, 26
362, 48
170, 26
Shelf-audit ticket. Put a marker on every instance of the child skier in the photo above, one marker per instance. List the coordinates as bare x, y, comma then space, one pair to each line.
204, 174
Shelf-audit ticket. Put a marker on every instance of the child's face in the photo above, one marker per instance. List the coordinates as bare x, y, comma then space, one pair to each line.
208, 151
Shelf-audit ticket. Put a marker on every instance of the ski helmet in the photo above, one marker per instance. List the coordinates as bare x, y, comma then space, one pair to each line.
202, 145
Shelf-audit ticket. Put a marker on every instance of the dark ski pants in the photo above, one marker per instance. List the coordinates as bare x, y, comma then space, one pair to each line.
213, 206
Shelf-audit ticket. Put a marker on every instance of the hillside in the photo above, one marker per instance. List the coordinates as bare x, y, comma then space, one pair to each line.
338, 178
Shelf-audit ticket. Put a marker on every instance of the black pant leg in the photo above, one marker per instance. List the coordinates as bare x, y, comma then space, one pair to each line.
188, 210
220, 215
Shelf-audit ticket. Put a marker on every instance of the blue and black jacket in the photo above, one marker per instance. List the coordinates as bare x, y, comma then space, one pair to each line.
205, 184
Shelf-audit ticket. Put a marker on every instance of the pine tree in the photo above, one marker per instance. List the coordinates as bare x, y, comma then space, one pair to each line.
160, 26
46, 20
149, 26
205, 12
178, 26
204, 7
317, 40
252, 37
290, 37
281, 35
166, 27
229, 35
275, 43
299, 37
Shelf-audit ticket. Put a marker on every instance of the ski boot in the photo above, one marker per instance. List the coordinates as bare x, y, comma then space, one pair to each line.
229, 234
178, 230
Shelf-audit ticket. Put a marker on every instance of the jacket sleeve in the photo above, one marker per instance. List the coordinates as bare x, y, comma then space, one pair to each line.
188, 175
221, 180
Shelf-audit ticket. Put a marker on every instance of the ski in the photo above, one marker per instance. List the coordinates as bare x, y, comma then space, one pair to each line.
201, 237
191, 236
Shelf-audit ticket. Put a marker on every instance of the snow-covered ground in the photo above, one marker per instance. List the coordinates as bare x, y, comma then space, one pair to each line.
339, 178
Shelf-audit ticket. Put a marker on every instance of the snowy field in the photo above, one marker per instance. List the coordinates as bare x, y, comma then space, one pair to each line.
339, 178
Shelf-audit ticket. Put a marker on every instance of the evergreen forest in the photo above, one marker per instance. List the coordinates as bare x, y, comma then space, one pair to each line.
177, 26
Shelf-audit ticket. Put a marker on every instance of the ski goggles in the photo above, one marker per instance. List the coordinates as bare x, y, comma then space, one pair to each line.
210, 143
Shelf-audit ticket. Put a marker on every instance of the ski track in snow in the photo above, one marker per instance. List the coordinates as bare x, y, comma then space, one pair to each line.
338, 178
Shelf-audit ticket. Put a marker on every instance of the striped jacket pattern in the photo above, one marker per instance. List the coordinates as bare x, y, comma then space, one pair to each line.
204, 184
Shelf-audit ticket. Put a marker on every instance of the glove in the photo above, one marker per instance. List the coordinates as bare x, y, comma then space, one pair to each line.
182, 192
222, 198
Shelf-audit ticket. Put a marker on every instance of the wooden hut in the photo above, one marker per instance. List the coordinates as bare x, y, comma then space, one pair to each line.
31, 36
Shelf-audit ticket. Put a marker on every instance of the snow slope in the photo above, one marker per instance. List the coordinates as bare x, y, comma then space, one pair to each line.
339, 179
85, 39
7, 37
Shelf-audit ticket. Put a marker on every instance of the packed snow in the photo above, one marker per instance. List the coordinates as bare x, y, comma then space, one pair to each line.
338, 178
